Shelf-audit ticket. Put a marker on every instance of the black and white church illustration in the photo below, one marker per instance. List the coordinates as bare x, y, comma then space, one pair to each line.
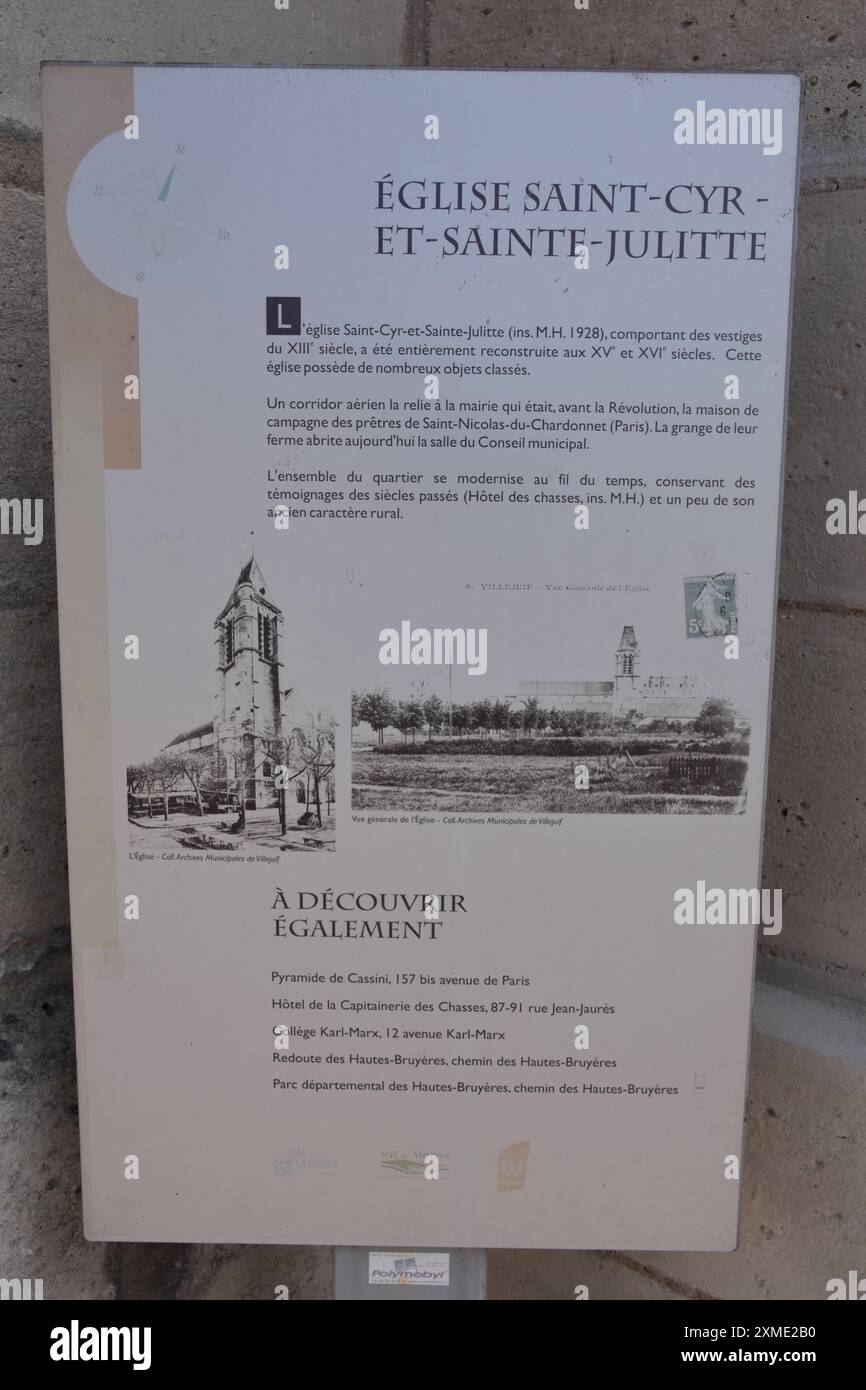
247, 721
261, 751
632, 691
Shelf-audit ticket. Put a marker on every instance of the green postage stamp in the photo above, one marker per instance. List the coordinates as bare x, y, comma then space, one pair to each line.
711, 605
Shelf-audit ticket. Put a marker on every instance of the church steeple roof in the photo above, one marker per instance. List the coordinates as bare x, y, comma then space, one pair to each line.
251, 574
628, 641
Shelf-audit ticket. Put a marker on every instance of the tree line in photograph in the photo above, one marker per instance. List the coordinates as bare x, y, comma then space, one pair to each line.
500, 720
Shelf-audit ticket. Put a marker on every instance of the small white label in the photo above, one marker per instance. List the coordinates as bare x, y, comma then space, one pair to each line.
406, 1267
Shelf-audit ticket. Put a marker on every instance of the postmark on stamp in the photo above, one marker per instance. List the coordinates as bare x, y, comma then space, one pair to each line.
711, 605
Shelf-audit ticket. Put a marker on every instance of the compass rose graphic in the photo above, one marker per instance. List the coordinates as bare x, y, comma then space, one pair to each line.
133, 207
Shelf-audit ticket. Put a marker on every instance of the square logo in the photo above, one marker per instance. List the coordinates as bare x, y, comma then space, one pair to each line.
282, 315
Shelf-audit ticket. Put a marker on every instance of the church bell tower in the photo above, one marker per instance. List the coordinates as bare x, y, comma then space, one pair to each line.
248, 688
626, 682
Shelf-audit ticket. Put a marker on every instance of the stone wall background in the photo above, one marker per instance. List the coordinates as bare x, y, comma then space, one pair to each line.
804, 1214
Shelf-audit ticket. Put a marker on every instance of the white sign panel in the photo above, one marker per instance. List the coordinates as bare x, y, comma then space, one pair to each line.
418, 455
